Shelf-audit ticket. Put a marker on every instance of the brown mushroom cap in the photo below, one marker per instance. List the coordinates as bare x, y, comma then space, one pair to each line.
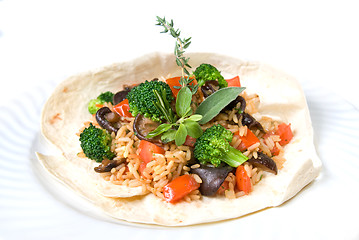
264, 162
142, 126
106, 165
212, 178
103, 122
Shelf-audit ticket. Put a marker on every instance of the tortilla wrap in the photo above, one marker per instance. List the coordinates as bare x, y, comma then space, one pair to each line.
281, 98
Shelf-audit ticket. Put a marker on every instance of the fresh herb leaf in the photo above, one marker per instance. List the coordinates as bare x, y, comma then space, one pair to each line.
188, 112
213, 104
159, 130
193, 128
168, 136
181, 135
195, 117
183, 101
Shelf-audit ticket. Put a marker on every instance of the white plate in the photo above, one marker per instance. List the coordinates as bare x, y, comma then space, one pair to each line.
31, 208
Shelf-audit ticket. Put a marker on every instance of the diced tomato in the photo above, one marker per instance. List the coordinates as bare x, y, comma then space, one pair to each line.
285, 133
179, 187
190, 141
234, 82
147, 150
142, 167
223, 188
175, 84
275, 151
243, 180
123, 108
247, 140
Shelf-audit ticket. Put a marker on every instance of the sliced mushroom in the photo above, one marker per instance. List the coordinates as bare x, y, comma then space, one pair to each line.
103, 122
112, 117
264, 162
142, 126
106, 165
209, 87
234, 103
250, 121
120, 96
212, 177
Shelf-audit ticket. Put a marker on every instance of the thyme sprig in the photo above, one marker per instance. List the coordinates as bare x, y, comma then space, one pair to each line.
181, 45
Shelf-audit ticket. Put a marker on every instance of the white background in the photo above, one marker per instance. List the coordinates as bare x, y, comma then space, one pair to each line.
50, 40
315, 41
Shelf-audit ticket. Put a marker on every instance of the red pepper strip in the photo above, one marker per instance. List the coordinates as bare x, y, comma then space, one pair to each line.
175, 84
123, 109
243, 181
285, 133
247, 140
234, 82
179, 187
147, 149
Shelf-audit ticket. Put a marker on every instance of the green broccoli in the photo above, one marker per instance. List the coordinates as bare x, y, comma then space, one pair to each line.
142, 99
96, 143
213, 147
101, 99
206, 72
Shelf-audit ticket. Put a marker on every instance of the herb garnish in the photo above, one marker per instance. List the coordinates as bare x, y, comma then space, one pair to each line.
214, 103
181, 45
163, 106
187, 124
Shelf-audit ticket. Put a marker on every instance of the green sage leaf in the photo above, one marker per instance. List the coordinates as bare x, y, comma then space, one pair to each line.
168, 136
188, 112
159, 130
193, 128
181, 135
213, 104
195, 117
183, 101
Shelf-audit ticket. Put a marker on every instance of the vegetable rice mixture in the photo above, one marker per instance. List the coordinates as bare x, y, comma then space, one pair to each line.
225, 156
184, 137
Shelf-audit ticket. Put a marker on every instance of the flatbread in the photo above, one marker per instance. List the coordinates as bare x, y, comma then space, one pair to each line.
281, 98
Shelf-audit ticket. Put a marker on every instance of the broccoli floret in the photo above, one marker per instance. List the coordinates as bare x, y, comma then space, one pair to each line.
106, 97
101, 99
213, 147
96, 143
206, 72
142, 99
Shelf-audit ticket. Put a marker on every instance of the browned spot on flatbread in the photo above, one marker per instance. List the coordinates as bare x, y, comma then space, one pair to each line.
65, 90
55, 118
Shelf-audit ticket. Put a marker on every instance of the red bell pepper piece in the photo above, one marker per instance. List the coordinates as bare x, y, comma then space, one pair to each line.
147, 149
285, 133
179, 187
246, 140
243, 180
123, 108
234, 82
175, 84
